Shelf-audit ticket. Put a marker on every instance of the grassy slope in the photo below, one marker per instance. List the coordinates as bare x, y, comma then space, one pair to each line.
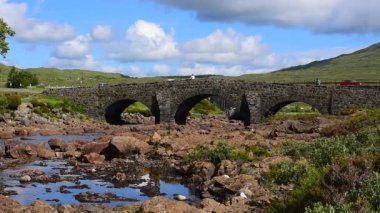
362, 65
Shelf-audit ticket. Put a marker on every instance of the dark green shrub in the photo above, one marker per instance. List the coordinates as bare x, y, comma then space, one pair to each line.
3, 103
327, 208
214, 154
369, 192
287, 172
13, 101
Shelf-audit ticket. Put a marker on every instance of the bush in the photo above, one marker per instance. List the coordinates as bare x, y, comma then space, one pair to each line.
21, 79
13, 101
205, 152
287, 172
3, 103
206, 107
327, 208
369, 192
325, 150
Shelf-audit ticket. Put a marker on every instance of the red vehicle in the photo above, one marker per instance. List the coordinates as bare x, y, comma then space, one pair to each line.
350, 83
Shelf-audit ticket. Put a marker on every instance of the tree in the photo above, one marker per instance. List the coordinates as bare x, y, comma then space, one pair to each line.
21, 79
5, 31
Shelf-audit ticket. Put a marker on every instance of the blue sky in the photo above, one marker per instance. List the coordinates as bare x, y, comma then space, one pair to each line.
181, 37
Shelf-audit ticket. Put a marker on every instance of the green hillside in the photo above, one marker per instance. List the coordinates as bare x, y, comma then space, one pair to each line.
75, 77
362, 65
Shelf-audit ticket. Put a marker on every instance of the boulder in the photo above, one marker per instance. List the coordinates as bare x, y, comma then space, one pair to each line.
48, 132
39, 206
212, 206
9, 205
24, 109
6, 134
224, 187
57, 144
94, 158
43, 152
125, 145
201, 171
23, 151
95, 147
228, 167
163, 204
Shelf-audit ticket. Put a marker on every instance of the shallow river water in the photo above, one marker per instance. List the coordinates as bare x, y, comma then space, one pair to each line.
66, 192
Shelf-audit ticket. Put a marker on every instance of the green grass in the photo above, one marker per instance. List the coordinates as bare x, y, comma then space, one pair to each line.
139, 107
362, 65
205, 107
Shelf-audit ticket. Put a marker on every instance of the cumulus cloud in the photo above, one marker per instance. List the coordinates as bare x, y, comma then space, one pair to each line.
227, 47
31, 30
161, 69
326, 16
144, 41
102, 33
76, 48
87, 62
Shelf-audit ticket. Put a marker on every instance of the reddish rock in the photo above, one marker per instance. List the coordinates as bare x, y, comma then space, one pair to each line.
39, 206
47, 132
96, 147
23, 151
228, 167
75, 131
94, 158
22, 132
79, 145
57, 144
125, 145
43, 152
163, 204
201, 171
6, 134
9, 205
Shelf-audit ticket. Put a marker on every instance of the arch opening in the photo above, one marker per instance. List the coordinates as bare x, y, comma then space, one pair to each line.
129, 111
289, 109
204, 104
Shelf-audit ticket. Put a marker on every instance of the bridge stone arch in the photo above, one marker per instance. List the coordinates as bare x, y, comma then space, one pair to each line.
112, 112
186, 99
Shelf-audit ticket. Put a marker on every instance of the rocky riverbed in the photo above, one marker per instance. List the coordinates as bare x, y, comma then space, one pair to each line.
141, 157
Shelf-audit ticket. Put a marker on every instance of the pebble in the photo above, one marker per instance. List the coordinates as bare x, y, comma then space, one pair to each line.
226, 176
243, 195
180, 197
25, 178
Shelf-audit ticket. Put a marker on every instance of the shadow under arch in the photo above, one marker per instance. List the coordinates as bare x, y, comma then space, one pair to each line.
113, 111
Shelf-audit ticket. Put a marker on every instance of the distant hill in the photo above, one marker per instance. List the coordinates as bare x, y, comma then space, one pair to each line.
75, 77
362, 65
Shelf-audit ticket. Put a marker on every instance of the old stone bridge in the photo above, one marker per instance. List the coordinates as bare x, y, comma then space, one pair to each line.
248, 101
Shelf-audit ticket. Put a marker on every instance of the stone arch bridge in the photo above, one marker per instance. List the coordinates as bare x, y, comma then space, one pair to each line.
246, 101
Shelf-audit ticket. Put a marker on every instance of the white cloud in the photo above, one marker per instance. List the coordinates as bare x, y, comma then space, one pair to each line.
161, 69
31, 30
102, 32
327, 16
74, 49
144, 41
227, 47
202, 69
87, 62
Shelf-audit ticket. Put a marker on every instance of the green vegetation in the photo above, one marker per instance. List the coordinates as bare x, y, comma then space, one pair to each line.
5, 31
44, 104
223, 151
296, 110
21, 79
139, 107
205, 107
287, 172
